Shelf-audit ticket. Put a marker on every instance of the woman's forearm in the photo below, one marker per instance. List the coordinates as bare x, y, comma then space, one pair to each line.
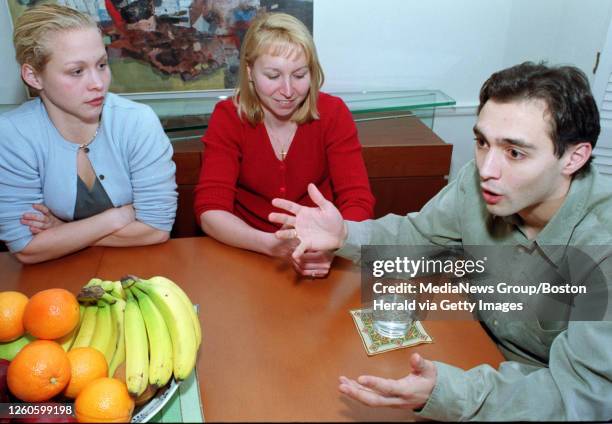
72, 236
229, 229
134, 234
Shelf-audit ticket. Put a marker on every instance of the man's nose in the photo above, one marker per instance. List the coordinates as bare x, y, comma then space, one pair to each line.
490, 166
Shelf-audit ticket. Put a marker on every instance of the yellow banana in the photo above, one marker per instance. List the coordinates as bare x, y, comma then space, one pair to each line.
111, 346
87, 328
105, 335
176, 316
67, 341
118, 311
136, 348
160, 343
186, 302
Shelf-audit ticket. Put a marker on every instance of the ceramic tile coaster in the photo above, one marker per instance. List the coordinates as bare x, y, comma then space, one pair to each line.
374, 343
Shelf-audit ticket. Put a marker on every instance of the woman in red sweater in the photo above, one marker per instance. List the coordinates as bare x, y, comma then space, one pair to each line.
277, 134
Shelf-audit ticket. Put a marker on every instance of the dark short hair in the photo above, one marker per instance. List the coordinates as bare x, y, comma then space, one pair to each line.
574, 117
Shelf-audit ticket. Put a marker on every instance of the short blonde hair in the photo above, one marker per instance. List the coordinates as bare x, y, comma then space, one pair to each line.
36, 24
277, 34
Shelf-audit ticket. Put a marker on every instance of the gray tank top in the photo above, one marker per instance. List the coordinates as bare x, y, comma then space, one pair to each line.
90, 202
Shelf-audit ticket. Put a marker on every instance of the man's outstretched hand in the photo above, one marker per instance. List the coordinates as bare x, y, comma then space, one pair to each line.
319, 228
410, 392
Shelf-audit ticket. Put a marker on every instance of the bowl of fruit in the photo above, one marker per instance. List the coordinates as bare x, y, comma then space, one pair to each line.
117, 351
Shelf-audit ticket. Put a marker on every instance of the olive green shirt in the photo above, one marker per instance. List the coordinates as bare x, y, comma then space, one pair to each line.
555, 371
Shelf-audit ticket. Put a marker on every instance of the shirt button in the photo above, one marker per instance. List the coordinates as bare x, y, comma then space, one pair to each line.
283, 190
101, 177
282, 166
495, 322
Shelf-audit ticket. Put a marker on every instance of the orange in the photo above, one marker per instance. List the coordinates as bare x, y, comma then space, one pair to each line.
40, 371
12, 305
51, 314
86, 364
104, 400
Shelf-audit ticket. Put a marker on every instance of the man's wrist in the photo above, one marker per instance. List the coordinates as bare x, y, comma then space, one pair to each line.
343, 236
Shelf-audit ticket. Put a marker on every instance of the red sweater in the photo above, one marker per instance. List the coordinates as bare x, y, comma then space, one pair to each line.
241, 174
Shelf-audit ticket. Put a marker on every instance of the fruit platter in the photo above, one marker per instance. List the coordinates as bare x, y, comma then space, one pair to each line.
116, 351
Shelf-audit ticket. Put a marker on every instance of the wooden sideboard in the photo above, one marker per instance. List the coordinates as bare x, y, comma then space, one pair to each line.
407, 164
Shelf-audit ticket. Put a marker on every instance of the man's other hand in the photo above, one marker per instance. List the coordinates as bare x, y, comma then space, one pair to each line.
410, 392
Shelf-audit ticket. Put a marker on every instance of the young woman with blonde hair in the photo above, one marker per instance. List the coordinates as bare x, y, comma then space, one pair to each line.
78, 166
275, 136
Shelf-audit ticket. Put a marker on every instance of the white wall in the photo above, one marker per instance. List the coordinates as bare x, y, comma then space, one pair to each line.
453, 46
450, 45
11, 88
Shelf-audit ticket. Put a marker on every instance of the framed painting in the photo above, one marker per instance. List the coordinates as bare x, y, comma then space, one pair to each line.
174, 48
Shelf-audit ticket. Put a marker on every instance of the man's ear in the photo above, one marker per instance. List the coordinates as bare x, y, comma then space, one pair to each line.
576, 156
30, 76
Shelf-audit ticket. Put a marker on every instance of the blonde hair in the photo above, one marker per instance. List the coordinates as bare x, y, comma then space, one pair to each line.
36, 24
277, 34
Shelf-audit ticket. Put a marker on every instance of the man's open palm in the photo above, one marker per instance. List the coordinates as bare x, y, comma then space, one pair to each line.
318, 228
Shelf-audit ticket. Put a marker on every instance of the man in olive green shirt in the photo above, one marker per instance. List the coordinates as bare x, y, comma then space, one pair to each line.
531, 186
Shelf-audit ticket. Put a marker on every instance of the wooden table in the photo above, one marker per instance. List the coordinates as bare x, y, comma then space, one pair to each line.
273, 344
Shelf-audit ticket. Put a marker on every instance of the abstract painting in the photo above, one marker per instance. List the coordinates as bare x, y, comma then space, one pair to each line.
175, 45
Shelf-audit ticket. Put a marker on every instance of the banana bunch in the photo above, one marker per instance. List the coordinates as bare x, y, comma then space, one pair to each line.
162, 333
150, 325
102, 322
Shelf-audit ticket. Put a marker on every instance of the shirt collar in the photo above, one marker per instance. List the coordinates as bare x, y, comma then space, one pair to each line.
555, 236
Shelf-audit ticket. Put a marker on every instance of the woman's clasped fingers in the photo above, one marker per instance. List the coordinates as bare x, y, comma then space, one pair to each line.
286, 234
26, 218
36, 222
41, 208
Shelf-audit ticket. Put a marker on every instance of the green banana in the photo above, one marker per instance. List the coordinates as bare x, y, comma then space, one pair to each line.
160, 342
176, 316
93, 282
112, 287
117, 290
94, 293
136, 348
105, 335
87, 328
186, 302
118, 311
9, 350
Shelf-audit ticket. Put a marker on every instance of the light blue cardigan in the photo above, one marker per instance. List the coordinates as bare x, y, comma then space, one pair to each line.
131, 156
